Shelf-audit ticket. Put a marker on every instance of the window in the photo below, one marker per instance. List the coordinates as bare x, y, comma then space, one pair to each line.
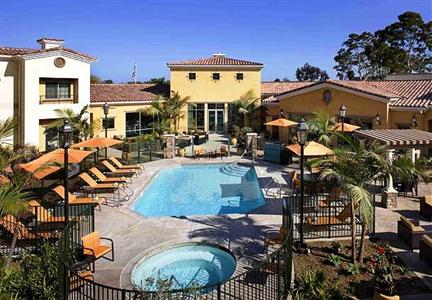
192, 76
137, 124
216, 76
239, 76
195, 116
216, 106
58, 89
232, 117
51, 139
108, 123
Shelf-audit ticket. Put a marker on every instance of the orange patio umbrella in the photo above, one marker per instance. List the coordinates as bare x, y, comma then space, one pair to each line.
281, 123
97, 142
42, 166
311, 149
346, 128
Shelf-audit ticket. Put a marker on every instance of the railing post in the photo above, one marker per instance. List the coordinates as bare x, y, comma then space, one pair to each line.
278, 274
150, 152
139, 151
219, 291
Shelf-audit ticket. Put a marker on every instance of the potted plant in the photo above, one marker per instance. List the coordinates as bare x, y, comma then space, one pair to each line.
383, 280
233, 139
181, 152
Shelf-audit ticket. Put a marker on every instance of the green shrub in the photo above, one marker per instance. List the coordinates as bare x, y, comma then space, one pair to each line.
334, 260
352, 269
313, 286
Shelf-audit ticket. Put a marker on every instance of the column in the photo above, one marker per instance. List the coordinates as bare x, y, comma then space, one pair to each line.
389, 194
169, 140
251, 143
226, 117
413, 154
206, 124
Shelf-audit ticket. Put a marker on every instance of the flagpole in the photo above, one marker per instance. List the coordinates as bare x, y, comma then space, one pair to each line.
136, 73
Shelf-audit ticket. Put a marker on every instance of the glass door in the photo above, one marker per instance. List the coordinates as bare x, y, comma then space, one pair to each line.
216, 120
212, 120
219, 120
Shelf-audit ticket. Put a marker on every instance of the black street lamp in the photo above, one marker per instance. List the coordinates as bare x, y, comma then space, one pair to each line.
414, 121
378, 119
106, 110
342, 114
302, 132
66, 132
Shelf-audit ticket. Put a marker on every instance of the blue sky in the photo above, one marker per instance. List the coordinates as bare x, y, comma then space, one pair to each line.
280, 34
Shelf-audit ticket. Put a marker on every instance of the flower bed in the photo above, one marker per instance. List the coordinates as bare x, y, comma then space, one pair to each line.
380, 271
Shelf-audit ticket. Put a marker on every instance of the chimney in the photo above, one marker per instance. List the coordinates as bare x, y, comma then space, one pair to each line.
219, 54
49, 43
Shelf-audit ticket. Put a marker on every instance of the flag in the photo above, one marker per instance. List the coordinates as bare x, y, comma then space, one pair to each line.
134, 73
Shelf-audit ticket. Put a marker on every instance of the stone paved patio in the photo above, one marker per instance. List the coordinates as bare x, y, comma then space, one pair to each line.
136, 236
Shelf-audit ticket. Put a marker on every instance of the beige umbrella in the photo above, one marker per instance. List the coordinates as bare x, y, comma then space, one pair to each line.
281, 123
311, 149
346, 127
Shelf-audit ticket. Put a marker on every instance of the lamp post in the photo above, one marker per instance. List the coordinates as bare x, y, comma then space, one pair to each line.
378, 119
414, 121
342, 114
66, 132
302, 132
106, 110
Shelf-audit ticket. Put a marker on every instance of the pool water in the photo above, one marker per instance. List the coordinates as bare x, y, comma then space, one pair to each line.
184, 266
210, 189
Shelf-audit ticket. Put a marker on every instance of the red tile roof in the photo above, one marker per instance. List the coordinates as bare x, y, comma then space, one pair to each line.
274, 88
216, 60
25, 51
413, 93
100, 93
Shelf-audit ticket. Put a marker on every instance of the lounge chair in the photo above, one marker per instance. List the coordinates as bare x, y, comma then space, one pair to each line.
75, 200
410, 232
13, 226
426, 207
43, 216
121, 172
271, 241
340, 219
93, 247
119, 165
104, 179
223, 151
100, 187
426, 249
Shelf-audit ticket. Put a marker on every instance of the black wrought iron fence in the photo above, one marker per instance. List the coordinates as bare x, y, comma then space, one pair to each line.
269, 279
136, 152
325, 216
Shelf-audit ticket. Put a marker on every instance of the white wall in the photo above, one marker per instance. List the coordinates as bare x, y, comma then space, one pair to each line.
8, 71
43, 67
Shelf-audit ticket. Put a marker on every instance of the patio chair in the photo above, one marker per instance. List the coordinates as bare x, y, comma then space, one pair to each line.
75, 200
13, 226
43, 216
271, 240
92, 246
121, 172
426, 207
426, 249
340, 219
104, 179
199, 152
79, 279
119, 165
223, 151
410, 232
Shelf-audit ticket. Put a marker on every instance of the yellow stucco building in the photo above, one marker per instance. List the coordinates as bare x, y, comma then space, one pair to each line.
213, 84
387, 104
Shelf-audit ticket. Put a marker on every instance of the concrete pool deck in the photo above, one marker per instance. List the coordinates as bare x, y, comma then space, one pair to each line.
136, 236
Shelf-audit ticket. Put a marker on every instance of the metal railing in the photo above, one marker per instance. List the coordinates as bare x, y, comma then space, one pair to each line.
268, 279
325, 216
71, 99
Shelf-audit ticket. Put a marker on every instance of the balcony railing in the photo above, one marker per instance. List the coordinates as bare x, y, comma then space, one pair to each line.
71, 99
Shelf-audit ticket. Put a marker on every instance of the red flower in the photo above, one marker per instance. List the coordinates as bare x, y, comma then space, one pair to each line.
380, 250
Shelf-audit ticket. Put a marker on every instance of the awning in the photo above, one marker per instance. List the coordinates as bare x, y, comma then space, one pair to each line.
346, 128
281, 123
97, 142
311, 149
398, 138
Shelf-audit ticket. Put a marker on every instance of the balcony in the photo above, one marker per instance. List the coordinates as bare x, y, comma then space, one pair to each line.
72, 99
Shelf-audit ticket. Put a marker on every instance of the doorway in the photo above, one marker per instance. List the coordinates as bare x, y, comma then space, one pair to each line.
216, 118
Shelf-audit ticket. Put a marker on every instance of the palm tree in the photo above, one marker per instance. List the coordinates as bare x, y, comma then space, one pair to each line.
12, 199
79, 121
353, 168
246, 104
174, 106
320, 128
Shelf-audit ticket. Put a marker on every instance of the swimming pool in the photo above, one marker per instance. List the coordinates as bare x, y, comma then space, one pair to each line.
210, 189
183, 266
